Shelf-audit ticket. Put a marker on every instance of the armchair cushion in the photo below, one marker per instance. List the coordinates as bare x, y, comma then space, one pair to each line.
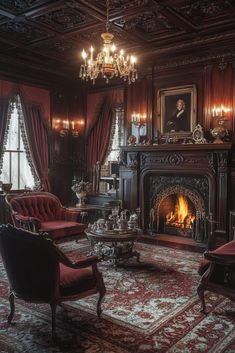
73, 281
59, 229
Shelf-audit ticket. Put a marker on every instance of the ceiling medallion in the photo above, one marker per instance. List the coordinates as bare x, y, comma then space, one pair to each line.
108, 63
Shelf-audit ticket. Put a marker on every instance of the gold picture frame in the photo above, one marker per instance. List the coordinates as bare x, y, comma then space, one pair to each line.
177, 110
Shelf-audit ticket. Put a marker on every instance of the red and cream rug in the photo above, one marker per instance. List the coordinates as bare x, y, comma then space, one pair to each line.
150, 307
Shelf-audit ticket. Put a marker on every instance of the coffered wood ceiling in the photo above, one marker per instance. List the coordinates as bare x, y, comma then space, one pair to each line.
47, 37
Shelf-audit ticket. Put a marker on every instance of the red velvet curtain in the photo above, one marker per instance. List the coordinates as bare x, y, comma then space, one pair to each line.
36, 130
36, 107
100, 117
4, 104
98, 139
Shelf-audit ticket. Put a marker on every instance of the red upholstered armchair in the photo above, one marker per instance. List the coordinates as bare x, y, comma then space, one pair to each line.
39, 272
218, 272
43, 212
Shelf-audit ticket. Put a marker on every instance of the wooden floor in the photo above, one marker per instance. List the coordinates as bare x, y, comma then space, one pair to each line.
173, 241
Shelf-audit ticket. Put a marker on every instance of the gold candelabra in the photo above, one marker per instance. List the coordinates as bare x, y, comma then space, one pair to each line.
139, 121
219, 131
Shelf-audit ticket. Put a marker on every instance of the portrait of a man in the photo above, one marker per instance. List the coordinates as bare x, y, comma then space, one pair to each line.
177, 113
178, 109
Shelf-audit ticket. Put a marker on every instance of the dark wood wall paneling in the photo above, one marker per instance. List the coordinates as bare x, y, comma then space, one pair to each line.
67, 152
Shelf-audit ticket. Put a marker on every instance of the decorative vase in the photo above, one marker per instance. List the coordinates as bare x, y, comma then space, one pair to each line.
219, 132
81, 198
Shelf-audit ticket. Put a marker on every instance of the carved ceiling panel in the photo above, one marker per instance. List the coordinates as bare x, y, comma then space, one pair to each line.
17, 6
23, 31
54, 32
201, 11
148, 23
64, 19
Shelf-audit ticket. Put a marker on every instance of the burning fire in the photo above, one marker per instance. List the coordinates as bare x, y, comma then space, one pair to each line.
181, 217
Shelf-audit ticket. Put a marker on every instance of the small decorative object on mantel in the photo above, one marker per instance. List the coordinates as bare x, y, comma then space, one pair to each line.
198, 134
81, 188
131, 140
219, 132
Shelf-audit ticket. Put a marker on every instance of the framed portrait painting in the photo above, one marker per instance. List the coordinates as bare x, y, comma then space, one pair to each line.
177, 110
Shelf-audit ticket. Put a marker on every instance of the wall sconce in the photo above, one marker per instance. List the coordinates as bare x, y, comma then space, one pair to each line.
219, 131
67, 127
139, 120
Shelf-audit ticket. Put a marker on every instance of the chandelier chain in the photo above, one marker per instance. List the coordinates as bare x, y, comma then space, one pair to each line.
107, 15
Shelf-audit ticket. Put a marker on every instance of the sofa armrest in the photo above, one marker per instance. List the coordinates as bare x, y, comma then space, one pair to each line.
81, 263
70, 215
221, 259
26, 222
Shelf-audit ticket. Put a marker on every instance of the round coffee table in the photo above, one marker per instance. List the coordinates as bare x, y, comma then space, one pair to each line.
113, 245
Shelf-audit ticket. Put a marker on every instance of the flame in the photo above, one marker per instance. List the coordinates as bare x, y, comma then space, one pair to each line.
181, 217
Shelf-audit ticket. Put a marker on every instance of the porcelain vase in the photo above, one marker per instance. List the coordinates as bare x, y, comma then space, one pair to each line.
81, 198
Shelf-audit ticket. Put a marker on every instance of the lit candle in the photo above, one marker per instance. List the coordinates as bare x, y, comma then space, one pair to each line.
84, 55
144, 117
213, 112
92, 49
133, 117
72, 125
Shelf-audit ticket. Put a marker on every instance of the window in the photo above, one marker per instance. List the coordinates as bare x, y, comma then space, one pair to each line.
111, 165
117, 136
17, 166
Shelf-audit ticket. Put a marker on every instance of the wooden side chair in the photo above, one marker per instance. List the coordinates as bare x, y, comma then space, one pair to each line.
39, 272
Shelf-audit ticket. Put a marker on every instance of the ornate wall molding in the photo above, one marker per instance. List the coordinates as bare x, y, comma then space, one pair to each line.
192, 59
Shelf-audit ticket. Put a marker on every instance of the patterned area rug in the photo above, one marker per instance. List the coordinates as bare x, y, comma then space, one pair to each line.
150, 307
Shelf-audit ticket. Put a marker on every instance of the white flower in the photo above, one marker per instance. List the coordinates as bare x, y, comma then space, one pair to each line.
81, 186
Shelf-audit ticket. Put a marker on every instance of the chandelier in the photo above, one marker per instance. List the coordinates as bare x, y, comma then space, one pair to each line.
108, 63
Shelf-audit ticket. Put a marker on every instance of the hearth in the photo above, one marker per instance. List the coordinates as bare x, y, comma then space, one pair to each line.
158, 178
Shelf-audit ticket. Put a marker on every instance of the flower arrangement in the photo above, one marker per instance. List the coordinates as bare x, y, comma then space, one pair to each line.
81, 186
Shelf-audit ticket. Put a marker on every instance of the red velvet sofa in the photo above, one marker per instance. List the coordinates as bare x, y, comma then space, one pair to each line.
43, 212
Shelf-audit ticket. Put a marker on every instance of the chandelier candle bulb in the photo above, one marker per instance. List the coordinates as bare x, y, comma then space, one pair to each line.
84, 55
92, 50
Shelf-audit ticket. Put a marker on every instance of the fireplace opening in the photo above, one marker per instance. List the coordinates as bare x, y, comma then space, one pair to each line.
179, 210
177, 215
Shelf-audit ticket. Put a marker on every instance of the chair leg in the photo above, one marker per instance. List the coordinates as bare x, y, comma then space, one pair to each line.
53, 320
102, 291
200, 292
12, 307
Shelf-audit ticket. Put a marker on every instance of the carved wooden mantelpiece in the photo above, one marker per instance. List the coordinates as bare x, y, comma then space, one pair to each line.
208, 161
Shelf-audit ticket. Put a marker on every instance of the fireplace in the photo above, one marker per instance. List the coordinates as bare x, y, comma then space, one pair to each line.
177, 205
181, 190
